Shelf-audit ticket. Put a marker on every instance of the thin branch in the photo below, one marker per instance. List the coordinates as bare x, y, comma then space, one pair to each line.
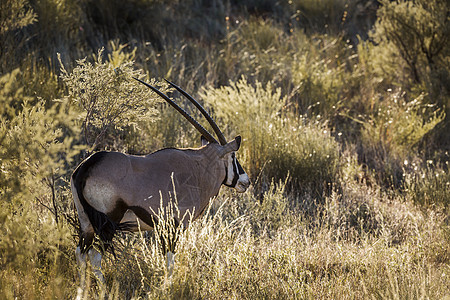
44, 205
55, 207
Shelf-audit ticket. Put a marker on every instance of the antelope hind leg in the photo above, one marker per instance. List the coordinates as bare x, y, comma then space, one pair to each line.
81, 262
95, 258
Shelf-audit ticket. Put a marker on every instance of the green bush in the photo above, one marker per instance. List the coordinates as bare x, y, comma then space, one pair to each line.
36, 149
36, 260
415, 35
108, 97
313, 71
322, 81
14, 15
412, 52
276, 142
261, 50
390, 139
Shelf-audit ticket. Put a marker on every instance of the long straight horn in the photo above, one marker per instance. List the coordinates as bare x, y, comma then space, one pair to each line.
191, 120
213, 124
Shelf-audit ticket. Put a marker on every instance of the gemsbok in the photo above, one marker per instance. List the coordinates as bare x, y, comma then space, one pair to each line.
113, 191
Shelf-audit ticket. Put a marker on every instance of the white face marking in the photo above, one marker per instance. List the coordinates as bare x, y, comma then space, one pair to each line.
234, 169
230, 171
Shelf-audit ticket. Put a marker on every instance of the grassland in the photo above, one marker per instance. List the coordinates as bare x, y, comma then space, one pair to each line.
343, 108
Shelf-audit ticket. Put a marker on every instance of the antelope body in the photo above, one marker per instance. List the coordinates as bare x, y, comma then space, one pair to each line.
114, 191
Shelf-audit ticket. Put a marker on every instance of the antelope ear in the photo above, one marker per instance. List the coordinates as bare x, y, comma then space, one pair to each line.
232, 146
204, 141
238, 140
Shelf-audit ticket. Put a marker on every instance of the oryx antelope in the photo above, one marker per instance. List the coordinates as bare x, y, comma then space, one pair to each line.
110, 189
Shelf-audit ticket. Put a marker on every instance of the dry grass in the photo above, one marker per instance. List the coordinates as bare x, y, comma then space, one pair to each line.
329, 255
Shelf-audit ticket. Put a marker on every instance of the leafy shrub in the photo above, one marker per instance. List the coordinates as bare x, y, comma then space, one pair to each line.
412, 51
34, 261
415, 33
11, 95
390, 138
14, 15
321, 82
261, 50
35, 150
34, 145
275, 142
312, 70
110, 99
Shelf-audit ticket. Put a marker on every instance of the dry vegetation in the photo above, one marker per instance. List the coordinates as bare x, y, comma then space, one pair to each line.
343, 107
